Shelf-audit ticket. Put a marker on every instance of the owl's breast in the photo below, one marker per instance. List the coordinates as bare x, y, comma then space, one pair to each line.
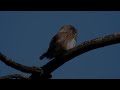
71, 44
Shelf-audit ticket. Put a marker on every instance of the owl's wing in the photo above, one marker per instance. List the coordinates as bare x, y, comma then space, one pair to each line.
58, 40
52, 47
57, 45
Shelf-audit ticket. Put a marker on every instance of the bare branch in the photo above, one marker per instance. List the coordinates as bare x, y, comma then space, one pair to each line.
16, 76
57, 62
80, 49
18, 66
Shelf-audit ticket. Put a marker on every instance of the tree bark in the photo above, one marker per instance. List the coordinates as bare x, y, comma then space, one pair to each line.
57, 62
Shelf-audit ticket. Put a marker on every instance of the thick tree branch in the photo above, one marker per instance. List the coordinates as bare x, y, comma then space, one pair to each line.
80, 49
16, 76
57, 62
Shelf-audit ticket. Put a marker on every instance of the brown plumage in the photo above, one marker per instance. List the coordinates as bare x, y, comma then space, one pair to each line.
64, 40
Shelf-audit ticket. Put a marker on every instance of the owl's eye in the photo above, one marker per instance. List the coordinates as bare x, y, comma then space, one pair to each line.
75, 31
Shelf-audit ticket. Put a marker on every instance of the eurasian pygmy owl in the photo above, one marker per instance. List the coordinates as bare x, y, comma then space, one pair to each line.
64, 40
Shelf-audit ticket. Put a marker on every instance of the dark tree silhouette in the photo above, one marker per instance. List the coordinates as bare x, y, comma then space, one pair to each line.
44, 72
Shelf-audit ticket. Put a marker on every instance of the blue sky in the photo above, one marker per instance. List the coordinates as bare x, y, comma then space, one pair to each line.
25, 35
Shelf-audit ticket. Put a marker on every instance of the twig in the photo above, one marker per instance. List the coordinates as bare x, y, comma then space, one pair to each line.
16, 76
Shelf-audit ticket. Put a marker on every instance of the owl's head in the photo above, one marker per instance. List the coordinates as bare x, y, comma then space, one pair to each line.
68, 29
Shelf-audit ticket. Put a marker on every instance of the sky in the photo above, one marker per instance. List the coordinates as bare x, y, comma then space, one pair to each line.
25, 35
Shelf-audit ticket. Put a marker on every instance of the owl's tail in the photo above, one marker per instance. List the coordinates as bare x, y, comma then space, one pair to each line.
43, 56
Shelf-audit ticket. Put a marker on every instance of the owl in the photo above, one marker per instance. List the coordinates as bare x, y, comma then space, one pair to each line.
64, 40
